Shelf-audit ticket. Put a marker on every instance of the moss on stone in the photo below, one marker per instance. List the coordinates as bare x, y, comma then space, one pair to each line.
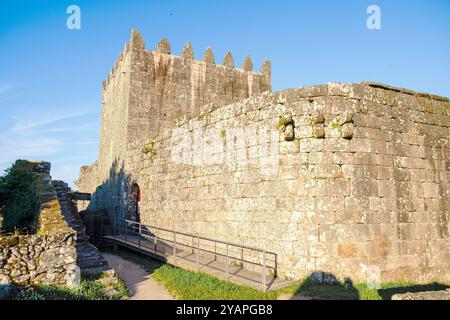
149, 150
9, 241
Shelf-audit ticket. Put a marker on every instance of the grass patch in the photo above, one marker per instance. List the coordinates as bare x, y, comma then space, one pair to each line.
89, 290
199, 286
122, 290
189, 285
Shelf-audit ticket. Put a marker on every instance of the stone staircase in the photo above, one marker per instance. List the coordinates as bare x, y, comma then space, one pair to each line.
89, 259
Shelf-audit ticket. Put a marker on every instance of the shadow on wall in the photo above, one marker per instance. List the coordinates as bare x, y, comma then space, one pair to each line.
113, 195
113, 199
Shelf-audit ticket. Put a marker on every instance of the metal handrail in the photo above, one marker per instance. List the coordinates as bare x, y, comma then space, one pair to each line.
207, 239
204, 250
201, 237
154, 236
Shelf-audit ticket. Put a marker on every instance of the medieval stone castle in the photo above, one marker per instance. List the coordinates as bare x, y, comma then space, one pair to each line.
336, 178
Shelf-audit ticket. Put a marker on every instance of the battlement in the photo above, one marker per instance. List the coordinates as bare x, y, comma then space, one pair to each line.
187, 56
147, 91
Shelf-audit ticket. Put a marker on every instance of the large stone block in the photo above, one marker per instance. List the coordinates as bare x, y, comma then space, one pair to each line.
326, 171
311, 145
338, 187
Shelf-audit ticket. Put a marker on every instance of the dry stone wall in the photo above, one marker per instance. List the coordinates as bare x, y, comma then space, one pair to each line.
38, 259
48, 257
347, 179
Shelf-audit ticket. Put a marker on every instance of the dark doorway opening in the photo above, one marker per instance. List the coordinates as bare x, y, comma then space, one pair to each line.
134, 212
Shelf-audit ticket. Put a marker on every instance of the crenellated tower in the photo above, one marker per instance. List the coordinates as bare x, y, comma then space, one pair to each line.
147, 91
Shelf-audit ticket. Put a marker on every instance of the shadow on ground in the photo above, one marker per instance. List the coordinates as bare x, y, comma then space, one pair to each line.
325, 286
386, 294
147, 263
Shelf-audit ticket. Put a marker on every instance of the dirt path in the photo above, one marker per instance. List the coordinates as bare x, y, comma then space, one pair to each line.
138, 281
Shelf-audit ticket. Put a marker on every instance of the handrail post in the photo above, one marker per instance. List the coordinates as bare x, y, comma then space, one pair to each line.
101, 229
114, 229
174, 244
215, 250
156, 242
226, 260
139, 235
264, 271
126, 232
198, 254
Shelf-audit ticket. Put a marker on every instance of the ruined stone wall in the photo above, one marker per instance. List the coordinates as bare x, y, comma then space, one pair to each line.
344, 179
88, 181
38, 259
48, 257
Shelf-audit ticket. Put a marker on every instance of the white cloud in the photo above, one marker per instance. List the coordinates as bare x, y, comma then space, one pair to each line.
70, 159
65, 129
29, 122
86, 143
56, 134
13, 147
65, 172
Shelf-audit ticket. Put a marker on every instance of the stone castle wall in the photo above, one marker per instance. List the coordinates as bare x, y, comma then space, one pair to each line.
147, 92
348, 179
48, 257
344, 179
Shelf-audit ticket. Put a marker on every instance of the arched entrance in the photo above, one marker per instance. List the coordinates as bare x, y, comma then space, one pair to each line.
134, 212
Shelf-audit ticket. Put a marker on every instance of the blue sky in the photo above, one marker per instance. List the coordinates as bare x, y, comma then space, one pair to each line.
50, 76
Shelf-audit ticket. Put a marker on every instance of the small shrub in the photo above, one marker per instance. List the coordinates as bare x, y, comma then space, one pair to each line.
334, 124
19, 199
29, 294
150, 150
88, 290
282, 123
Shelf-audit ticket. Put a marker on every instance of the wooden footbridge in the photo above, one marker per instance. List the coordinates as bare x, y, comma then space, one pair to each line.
240, 264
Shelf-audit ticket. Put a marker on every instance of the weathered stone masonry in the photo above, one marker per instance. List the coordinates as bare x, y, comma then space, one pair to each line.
338, 178
147, 92
48, 257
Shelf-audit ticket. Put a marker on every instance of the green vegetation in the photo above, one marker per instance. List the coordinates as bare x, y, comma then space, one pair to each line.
89, 290
222, 134
282, 123
199, 286
334, 124
19, 199
189, 285
150, 150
